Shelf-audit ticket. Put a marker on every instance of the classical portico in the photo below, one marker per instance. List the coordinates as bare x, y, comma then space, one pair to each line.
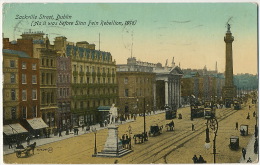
169, 80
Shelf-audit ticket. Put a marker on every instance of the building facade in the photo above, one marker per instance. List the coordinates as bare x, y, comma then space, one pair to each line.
29, 87
10, 87
203, 84
63, 83
136, 92
93, 82
166, 86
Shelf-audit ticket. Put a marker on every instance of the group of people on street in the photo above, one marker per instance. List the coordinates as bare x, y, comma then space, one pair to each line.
198, 160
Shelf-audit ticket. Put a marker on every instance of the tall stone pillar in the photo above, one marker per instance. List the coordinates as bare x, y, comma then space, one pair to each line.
166, 93
229, 88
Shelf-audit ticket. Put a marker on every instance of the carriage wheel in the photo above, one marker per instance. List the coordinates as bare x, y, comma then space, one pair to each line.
18, 154
27, 153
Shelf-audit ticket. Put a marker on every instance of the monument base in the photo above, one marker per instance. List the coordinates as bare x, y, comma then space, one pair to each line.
113, 147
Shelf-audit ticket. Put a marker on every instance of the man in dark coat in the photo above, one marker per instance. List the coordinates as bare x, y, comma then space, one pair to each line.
201, 160
244, 153
192, 127
195, 159
236, 125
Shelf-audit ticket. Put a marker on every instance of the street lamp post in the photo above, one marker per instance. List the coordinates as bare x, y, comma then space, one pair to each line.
129, 132
95, 148
144, 121
213, 124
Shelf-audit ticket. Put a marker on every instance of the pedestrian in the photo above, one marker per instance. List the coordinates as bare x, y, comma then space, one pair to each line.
87, 127
256, 146
105, 123
195, 159
77, 130
82, 127
248, 116
70, 127
236, 125
49, 132
244, 153
201, 160
10, 141
28, 140
60, 132
192, 127
45, 132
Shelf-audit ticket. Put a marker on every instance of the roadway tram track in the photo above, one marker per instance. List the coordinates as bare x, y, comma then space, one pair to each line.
172, 142
166, 140
169, 141
219, 120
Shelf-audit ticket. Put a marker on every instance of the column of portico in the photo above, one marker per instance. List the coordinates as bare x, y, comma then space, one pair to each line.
166, 92
154, 95
180, 92
172, 96
177, 93
170, 92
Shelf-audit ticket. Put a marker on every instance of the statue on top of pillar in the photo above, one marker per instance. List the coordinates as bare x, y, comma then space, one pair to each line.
228, 27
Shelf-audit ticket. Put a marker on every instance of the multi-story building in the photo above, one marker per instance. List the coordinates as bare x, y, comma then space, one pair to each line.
63, 83
42, 50
21, 81
10, 97
48, 72
166, 86
203, 84
93, 82
29, 87
136, 91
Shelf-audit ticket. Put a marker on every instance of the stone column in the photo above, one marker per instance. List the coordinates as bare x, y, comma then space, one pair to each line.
174, 92
154, 95
180, 91
170, 93
177, 93
166, 93
172, 97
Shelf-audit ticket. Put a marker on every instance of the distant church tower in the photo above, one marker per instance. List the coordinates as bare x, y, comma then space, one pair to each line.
229, 88
216, 67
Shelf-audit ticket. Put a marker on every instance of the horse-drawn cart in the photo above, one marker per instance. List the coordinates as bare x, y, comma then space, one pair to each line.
155, 130
20, 150
170, 126
139, 138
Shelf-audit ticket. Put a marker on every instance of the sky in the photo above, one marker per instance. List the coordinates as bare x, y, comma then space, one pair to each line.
192, 33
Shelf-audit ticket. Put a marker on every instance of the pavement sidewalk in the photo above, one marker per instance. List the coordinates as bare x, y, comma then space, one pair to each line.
43, 141
250, 152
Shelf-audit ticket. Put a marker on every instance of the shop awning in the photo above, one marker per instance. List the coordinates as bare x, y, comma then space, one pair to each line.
37, 123
14, 129
104, 108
